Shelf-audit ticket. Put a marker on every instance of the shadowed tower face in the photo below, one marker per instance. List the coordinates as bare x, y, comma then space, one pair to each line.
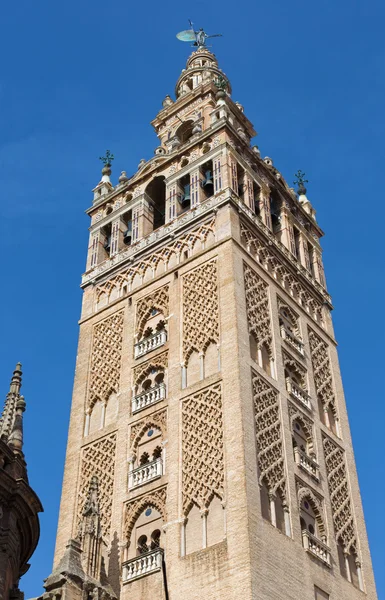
209, 453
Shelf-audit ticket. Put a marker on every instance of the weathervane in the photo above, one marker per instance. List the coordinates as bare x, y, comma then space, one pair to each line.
300, 181
197, 37
107, 159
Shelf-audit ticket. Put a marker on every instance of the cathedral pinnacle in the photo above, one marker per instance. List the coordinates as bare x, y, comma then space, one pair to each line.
14, 406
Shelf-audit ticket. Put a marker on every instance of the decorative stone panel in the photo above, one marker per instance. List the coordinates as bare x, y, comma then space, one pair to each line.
158, 420
202, 448
200, 309
269, 436
339, 493
257, 307
132, 510
98, 459
322, 370
159, 300
106, 356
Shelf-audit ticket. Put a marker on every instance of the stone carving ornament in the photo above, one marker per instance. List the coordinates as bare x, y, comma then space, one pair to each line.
257, 307
106, 358
98, 460
202, 448
200, 309
339, 494
268, 436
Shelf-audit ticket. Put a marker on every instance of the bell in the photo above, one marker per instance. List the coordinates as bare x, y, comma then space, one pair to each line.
185, 198
208, 180
107, 244
128, 234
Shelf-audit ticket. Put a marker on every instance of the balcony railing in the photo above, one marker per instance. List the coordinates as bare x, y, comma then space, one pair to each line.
149, 397
298, 393
306, 463
316, 547
145, 473
291, 339
142, 565
150, 343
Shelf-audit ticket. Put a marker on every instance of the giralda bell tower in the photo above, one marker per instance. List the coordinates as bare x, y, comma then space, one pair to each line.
209, 453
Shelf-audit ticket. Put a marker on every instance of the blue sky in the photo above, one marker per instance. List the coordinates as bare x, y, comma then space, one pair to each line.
80, 77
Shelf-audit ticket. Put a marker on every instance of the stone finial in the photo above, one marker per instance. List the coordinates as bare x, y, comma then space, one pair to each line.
256, 151
123, 177
168, 101
142, 162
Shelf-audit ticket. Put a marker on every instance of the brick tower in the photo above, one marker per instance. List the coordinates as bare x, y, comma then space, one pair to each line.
209, 453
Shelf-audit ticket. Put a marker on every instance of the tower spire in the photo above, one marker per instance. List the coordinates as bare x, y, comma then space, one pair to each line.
14, 406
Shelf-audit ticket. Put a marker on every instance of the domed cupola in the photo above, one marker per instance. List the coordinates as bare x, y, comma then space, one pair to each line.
201, 67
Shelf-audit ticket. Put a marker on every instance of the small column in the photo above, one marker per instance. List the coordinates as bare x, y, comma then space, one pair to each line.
347, 566
201, 365
103, 415
130, 460
359, 575
326, 417
204, 513
272, 368
184, 376
260, 362
286, 516
87, 423
183, 538
272, 509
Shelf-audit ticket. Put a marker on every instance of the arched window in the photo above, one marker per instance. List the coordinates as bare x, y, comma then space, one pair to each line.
184, 132
146, 463
156, 192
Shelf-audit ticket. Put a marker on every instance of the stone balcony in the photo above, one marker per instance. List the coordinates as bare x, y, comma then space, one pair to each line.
148, 398
142, 565
298, 393
145, 473
307, 463
147, 344
291, 339
316, 547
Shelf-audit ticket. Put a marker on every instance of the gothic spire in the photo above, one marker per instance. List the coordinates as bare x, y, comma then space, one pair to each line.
11, 427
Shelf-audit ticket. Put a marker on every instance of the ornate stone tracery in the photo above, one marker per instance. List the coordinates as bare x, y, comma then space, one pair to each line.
257, 308
271, 261
322, 370
158, 362
158, 420
297, 415
202, 448
158, 260
200, 309
158, 300
106, 358
132, 510
98, 460
339, 494
304, 492
269, 436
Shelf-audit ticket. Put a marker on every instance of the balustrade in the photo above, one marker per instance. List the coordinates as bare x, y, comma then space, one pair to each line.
291, 339
306, 463
142, 565
150, 343
298, 393
316, 547
145, 473
149, 397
